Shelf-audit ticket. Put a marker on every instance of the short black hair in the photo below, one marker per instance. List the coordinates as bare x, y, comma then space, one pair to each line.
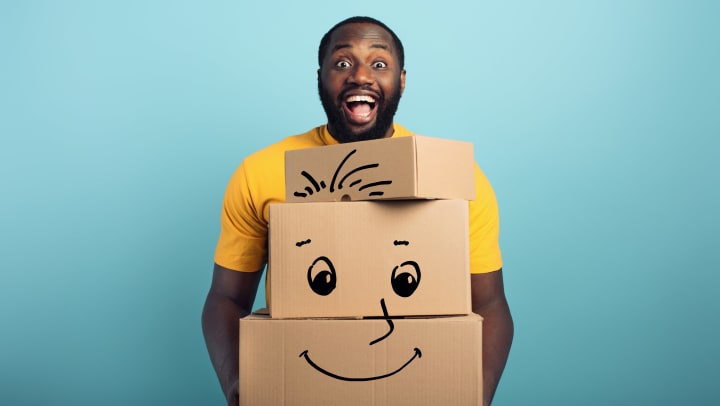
325, 41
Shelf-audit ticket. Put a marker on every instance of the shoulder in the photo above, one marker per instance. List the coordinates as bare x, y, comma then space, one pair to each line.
274, 153
260, 176
401, 131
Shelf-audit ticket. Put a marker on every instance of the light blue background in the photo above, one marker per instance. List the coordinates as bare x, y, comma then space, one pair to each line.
596, 121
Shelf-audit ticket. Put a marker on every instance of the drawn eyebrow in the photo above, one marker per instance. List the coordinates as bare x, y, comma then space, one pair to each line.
401, 242
301, 243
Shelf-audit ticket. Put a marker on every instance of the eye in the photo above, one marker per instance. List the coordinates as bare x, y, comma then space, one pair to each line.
321, 276
405, 278
342, 64
379, 65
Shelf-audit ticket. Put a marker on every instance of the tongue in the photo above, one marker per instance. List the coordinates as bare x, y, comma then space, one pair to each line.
360, 109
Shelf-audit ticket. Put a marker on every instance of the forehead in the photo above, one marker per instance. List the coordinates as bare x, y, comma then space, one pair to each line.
360, 35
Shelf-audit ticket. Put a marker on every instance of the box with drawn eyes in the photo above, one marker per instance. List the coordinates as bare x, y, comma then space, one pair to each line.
415, 167
369, 259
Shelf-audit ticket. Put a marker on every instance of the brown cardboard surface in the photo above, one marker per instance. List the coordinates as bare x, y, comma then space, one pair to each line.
424, 361
415, 167
371, 245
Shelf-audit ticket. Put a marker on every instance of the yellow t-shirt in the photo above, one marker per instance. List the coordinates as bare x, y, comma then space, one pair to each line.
260, 181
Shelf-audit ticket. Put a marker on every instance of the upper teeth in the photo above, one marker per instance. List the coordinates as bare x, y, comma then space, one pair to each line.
359, 98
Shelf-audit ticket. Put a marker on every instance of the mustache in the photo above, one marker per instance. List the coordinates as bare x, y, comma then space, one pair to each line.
379, 96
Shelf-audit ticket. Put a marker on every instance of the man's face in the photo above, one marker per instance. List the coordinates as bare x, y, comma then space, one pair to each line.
360, 83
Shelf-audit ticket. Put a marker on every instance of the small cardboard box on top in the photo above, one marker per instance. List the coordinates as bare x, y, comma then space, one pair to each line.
411, 361
369, 259
413, 167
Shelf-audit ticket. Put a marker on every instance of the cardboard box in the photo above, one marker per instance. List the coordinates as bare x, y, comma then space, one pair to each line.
357, 259
415, 167
431, 361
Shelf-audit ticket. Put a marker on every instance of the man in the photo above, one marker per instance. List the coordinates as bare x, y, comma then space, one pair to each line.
360, 81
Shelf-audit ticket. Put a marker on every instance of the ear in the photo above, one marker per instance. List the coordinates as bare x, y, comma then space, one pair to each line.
402, 81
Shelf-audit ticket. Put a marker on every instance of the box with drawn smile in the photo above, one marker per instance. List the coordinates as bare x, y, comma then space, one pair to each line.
360, 259
412, 361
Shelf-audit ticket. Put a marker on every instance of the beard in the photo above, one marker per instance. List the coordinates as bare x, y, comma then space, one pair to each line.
342, 132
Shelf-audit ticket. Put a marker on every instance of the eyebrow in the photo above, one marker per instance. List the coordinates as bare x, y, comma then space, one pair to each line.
301, 243
378, 46
401, 242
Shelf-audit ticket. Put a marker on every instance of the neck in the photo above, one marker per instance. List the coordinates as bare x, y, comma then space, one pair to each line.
365, 136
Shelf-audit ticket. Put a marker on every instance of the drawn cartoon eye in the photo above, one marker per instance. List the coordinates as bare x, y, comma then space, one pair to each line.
321, 276
405, 278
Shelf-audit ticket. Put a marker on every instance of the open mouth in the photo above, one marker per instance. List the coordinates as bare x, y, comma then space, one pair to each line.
416, 354
360, 109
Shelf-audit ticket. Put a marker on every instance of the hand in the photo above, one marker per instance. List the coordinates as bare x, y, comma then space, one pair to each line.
233, 396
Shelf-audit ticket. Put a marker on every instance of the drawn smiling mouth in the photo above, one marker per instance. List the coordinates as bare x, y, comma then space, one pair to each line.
304, 354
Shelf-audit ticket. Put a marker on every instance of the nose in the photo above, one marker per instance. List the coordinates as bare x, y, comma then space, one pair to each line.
361, 75
389, 321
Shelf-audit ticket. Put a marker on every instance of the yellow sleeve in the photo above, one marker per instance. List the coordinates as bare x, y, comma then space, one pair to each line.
485, 253
242, 245
256, 184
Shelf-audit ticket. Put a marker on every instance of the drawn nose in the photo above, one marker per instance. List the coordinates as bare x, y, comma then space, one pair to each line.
390, 323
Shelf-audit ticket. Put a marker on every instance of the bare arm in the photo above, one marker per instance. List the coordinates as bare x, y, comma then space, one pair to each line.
488, 300
231, 297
